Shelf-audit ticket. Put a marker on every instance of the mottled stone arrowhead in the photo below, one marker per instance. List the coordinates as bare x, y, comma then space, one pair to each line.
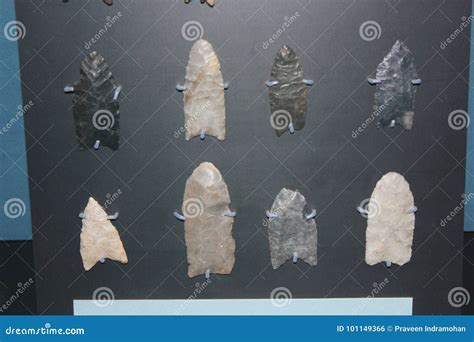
204, 103
99, 238
395, 94
288, 97
208, 233
391, 222
289, 231
95, 107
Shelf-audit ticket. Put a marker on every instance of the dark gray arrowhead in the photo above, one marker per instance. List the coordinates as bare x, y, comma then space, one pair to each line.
289, 231
395, 95
95, 110
288, 97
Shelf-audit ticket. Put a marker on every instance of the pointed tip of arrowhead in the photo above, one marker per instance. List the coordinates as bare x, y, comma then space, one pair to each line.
94, 64
394, 181
94, 211
201, 42
92, 203
208, 172
394, 175
206, 175
206, 165
200, 47
400, 46
284, 192
94, 56
286, 51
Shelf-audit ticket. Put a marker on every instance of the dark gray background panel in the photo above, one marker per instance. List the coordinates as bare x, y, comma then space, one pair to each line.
334, 171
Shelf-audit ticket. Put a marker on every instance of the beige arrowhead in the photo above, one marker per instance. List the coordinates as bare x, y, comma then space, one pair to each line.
391, 223
99, 238
204, 103
208, 233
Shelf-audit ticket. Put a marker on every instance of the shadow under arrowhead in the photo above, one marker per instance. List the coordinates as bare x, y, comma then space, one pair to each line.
96, 112
288, 97
289, 232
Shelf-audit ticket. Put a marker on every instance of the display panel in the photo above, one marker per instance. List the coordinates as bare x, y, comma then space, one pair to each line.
336, 160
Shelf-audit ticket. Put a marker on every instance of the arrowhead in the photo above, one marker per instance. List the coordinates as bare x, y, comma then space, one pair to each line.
208, 233
99, 238
204, 103
289, 232
395, 95
390, 223
96, 112
288, 97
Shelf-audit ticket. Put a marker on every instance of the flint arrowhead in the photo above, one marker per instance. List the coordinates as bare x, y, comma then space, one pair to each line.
395, 95
208, 233
99, 238
288, 97
95, 108
289, 231
390, 223
204, 103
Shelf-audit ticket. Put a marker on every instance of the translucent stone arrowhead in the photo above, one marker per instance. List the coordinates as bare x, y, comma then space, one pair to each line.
95, 106
204, 104
99, 238
288, 96
395, 94
208, 233
391, 222
289, 232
